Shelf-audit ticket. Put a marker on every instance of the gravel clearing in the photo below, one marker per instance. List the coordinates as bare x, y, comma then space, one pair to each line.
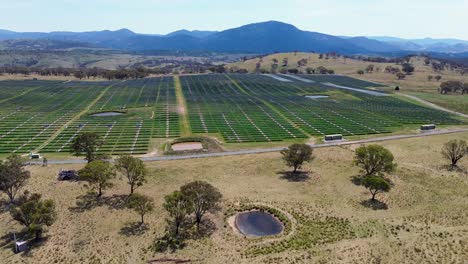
374, 93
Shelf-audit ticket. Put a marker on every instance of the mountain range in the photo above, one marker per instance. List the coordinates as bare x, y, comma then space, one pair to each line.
265, 37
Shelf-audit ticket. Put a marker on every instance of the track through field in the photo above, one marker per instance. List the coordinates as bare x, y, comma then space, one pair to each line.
182, 108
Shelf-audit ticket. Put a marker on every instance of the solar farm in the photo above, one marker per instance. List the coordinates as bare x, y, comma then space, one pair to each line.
45, 116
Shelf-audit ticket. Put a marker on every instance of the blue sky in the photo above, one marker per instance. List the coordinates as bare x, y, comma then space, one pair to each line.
401, 18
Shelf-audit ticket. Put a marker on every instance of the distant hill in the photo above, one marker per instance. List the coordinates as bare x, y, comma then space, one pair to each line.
426, 44
193, 33
41, 44
275, 36
265, 37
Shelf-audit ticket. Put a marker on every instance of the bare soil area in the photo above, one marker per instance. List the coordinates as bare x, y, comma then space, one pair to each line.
186, 146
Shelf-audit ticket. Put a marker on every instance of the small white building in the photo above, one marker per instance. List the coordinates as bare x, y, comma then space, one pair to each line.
428, 127
34, 156
21, 246
336, 137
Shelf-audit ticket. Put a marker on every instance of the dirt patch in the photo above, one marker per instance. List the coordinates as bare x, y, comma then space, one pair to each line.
181, 110
191, 145
186, 146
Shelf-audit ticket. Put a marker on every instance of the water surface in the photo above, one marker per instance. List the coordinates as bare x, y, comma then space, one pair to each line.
258, 223
107, 114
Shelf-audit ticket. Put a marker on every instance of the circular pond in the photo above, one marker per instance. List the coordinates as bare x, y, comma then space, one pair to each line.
258, 223
101, 114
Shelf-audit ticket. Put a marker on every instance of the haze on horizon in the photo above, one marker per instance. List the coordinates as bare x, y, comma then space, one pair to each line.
397, 18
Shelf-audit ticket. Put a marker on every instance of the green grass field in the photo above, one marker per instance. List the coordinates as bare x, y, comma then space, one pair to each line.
45, 116
455, 102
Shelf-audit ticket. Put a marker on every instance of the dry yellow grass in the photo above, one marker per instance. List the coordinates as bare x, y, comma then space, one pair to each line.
426, 220
415, 82
19, 77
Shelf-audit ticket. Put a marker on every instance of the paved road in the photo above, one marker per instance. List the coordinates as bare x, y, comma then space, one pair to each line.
267, 150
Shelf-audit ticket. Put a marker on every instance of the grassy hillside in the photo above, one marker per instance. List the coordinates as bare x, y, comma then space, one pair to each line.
426, 219
416, 83
107, 59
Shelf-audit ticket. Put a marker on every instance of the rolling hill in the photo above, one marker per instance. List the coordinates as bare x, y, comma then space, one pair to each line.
265, 37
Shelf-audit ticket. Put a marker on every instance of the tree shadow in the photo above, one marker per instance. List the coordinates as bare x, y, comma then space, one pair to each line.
5, 205
206, 229
298, 176
33, 245
374, 204
168, 242
357, 180
7, 241
169, 260
89, 201
455, 168
133, 229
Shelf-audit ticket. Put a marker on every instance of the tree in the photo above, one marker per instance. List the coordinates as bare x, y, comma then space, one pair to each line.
465, 88
427, 61
374, 160
302, 62
204, 197
296, 154
34, 213
454, 150
98, 174
141, 204
87, 143
178, 206
376, 185
400, 76
274, 68
407, 68
360, 72
13, 176
438, 78
322, 70
134, 169
430, 77
79, 74
392, 70
450, 86
370, 68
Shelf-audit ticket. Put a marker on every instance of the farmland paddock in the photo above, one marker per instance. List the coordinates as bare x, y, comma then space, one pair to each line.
235, 108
